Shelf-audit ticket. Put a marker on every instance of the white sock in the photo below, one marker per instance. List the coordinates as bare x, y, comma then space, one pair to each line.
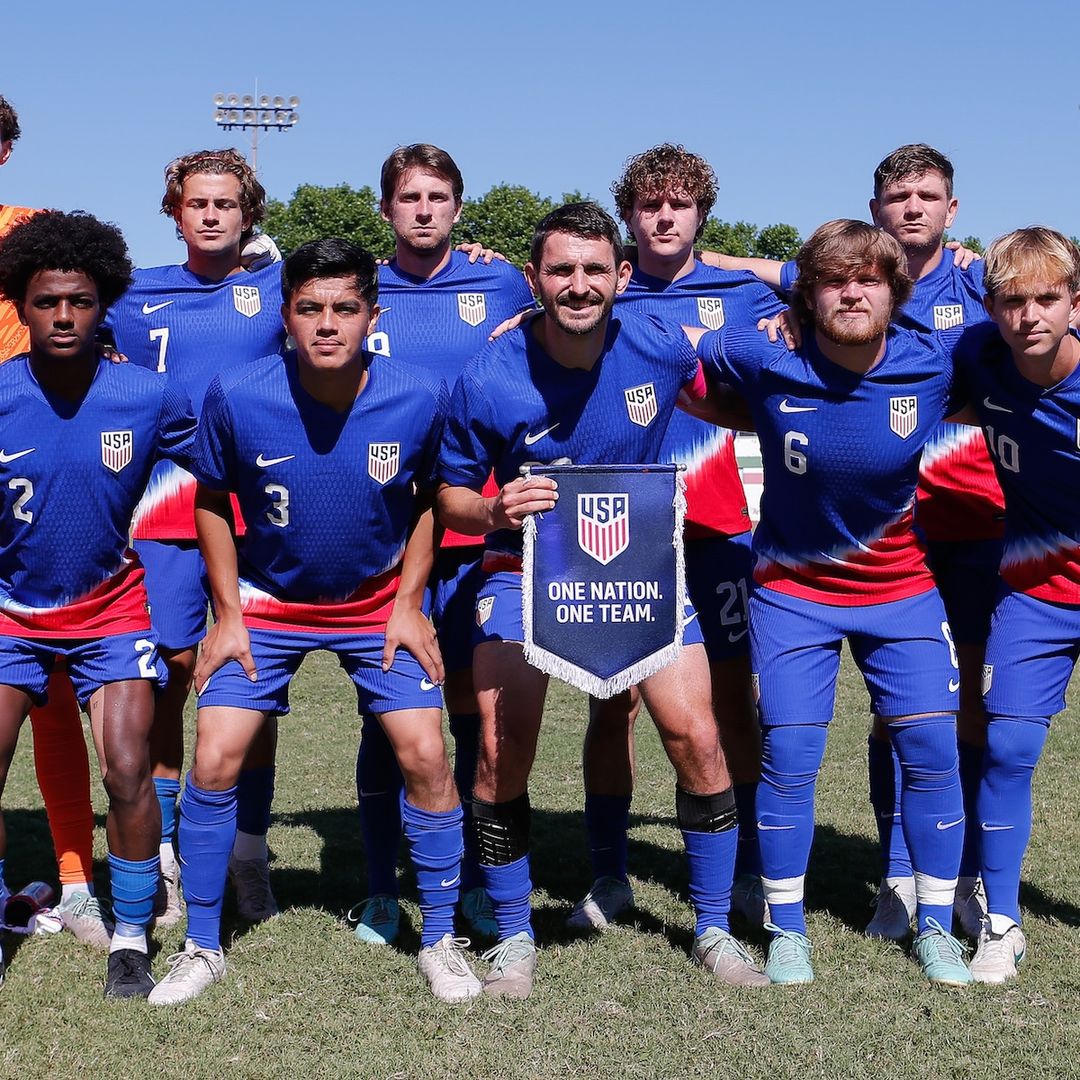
250, 846
1000, 924
70, 889
137, 942
167, 854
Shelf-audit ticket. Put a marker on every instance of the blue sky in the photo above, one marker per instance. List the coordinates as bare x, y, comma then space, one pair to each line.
793, 103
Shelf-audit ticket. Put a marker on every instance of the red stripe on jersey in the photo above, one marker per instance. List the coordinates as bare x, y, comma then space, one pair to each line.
1050, 575
456, 539
715, 500
167, 509
365, 612
892, 567
117, 606
959, 497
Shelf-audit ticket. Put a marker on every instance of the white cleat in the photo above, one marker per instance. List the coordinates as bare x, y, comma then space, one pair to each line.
608, 898
167, 907
894, 910
997, 957
190, 973
447, 971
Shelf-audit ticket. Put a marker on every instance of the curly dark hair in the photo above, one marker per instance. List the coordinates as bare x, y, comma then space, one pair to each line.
9, 121
215, 162
666, 167
53, 240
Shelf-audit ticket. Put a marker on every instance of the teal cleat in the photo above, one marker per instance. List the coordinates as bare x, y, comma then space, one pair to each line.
378, 920
941, 956
788, 963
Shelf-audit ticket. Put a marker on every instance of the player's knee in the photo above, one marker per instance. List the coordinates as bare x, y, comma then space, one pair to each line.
705, 813
791, 755
502, 829
127, 781
423, 759
1014, 745
926, 747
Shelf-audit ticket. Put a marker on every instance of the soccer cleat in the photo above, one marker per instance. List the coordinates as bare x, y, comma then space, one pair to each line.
721, 955
81, 915
788, 962
748, 900
479, 914
940, 956
894, 908
513, 964
969, 907
251, 880
167, 909
997, 957
190, 973
128, 974
608, 898
378, 920
447, 971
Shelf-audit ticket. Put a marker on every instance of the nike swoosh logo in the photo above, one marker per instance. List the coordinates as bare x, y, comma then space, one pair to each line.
426, 684
773, 828
994, 828
996, 408
690, 620
531, 438
737, 635
266, 462
5, 458
149, 309
943, 825
453, 881
785, 407
954, 685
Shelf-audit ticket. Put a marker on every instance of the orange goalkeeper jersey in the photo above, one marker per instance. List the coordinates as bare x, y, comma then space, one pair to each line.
14, 338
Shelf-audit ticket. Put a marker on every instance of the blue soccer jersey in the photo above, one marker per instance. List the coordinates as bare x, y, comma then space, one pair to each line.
514, 405
715, 501
1034, 436
328, 497
174, 321
71, 475
840, 453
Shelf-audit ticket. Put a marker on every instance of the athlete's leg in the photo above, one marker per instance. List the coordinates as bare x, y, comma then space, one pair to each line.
14, 705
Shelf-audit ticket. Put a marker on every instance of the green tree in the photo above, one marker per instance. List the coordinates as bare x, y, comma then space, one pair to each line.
780, 242
744, 240
503, 219
315, 211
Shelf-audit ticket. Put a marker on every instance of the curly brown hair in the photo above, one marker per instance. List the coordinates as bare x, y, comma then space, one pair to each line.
9, 121
667, 167
216, 162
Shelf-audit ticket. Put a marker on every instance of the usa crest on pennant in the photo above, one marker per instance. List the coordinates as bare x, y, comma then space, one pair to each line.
710, 311
116, 447
471, 307
903, 415
246, 300
383, 461
603, 530
641, 404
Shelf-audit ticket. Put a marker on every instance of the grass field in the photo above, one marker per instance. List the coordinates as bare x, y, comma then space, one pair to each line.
304, 999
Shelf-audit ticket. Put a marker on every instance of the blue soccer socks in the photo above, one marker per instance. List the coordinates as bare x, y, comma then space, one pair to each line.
379, 785
436, 846
207, 831
607, 820
465, 729
166, 789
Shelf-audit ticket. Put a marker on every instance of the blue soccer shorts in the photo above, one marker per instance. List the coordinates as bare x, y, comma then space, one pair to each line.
26, 663
1030, 656
966, 574
178, 590
279, 653
718, 570
454, 583
903, 649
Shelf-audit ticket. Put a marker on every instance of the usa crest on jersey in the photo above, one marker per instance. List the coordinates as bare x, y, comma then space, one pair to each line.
710, 312
987, 677
383, 461
946, 315
246, 300
641, 404
471, 307
603, 530
903, 415
116, 447
483, 609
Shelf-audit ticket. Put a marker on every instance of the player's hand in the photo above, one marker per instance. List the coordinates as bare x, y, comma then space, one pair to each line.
409, 628
784, 325
962, 256
112, 354
478, 251
521, 497
520, 319
259, 252
226, 640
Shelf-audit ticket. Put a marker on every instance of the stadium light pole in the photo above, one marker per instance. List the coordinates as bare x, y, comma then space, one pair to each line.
255, 113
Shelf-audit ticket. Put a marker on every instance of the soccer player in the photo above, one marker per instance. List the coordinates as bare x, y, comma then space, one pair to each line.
842, 422
556, 389
330, 453
60, 759
193, 321
664, 197
1022, 378
438, 309
80, 435
958, 513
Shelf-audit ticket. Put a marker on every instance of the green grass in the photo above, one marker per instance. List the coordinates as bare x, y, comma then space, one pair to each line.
304, 999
